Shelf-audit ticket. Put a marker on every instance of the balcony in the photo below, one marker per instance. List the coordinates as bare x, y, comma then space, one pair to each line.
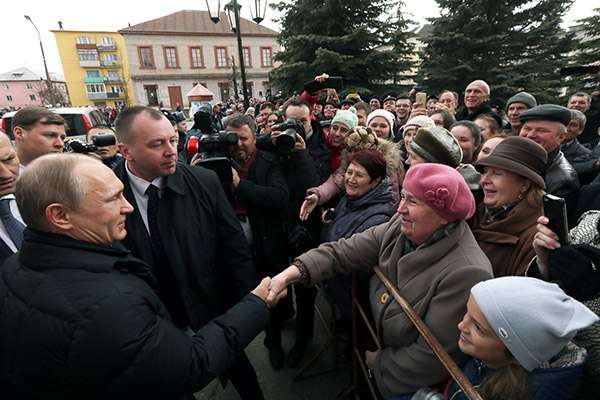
97, 96
113, 95
106, 47
85, 46
111, 64
93, 79
113, 79
89, 63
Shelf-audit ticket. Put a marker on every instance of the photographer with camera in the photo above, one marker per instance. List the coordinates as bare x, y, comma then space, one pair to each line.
305, 159
260, 200
104, 139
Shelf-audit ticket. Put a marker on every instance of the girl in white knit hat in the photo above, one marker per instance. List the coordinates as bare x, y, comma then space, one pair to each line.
518, 331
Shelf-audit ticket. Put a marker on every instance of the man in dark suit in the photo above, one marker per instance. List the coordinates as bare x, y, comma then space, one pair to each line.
11, 223
184, 227
260, 200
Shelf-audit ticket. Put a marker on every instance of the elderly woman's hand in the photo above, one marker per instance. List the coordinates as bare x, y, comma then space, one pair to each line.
370, 357
308, 206
545, 239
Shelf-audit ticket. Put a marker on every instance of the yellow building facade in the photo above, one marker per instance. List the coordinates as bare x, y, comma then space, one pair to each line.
96, 68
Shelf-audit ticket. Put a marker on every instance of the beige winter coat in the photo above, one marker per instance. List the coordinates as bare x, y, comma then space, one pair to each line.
435, 279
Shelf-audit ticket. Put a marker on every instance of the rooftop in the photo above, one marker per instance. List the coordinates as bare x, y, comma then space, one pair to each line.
195, 22
25, 74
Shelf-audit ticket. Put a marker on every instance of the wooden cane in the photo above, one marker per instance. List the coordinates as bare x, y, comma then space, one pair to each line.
431, 340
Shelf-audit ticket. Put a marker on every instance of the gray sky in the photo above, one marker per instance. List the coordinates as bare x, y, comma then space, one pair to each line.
21, 47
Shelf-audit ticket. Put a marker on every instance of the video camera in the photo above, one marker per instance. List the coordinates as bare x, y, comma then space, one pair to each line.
286, 141
214, 150
78, 146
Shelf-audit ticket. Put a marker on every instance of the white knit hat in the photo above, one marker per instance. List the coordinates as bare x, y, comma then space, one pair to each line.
534, 319
382, 113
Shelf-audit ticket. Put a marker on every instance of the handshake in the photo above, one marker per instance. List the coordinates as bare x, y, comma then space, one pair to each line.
272, 290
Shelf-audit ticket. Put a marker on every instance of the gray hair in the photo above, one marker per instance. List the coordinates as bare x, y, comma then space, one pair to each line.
49, 179
576, 114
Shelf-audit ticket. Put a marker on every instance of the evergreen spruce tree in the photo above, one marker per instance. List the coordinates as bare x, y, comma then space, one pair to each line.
587, 50
349, 38
513, 45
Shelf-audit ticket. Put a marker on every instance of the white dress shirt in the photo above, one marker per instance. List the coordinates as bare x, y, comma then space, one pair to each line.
139, 187
15, 212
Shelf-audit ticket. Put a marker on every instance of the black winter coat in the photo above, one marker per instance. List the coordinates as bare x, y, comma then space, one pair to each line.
265, 196
203, 239
562, 180
464, 114
80, 321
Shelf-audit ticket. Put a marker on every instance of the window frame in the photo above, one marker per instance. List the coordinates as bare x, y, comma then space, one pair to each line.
191, 55
217, 48
262, 58
166, 58
140, 58
249, 65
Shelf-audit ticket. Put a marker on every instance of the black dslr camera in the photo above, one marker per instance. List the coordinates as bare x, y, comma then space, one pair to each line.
214, 150
286, 141
77, 146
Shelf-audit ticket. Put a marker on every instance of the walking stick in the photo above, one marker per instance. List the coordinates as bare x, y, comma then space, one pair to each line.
431, 340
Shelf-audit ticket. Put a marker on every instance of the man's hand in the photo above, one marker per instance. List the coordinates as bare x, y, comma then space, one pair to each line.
441, 107
418, 109
300, 143
321, 78
308, 206
196, 159
274, 136
236, 177
262, 290
370, 357
277, 290
544, 240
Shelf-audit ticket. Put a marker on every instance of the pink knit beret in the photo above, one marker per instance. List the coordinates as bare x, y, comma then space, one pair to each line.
441, 188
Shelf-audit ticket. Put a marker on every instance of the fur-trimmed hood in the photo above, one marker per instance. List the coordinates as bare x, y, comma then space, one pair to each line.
391, 153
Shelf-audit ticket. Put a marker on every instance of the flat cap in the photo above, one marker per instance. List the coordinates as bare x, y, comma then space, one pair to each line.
547, 112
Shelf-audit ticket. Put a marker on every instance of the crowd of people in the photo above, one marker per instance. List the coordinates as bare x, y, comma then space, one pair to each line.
144, 269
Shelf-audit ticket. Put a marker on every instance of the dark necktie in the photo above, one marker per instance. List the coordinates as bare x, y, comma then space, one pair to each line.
14, 228
153, 204
167, 285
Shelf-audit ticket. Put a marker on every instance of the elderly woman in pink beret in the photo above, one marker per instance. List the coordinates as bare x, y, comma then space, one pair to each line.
428, 251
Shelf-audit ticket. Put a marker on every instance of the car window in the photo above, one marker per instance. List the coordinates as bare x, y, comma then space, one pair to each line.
97, 118
75, 124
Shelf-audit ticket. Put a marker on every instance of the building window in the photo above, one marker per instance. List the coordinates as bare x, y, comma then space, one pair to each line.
87, 55
221, 57
266, 57
171, 59
247, 57
32, 97
93, 74
95, 88
84, 40
29, 86
146, 57
196, 57
108, 41
9, 98
110, 59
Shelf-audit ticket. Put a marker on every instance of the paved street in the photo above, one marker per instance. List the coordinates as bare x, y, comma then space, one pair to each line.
279, 385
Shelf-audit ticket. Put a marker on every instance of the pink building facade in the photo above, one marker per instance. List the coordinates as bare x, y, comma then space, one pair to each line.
22, 88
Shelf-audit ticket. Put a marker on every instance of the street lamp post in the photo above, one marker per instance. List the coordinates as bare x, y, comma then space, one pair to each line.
234, 21
48, 79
